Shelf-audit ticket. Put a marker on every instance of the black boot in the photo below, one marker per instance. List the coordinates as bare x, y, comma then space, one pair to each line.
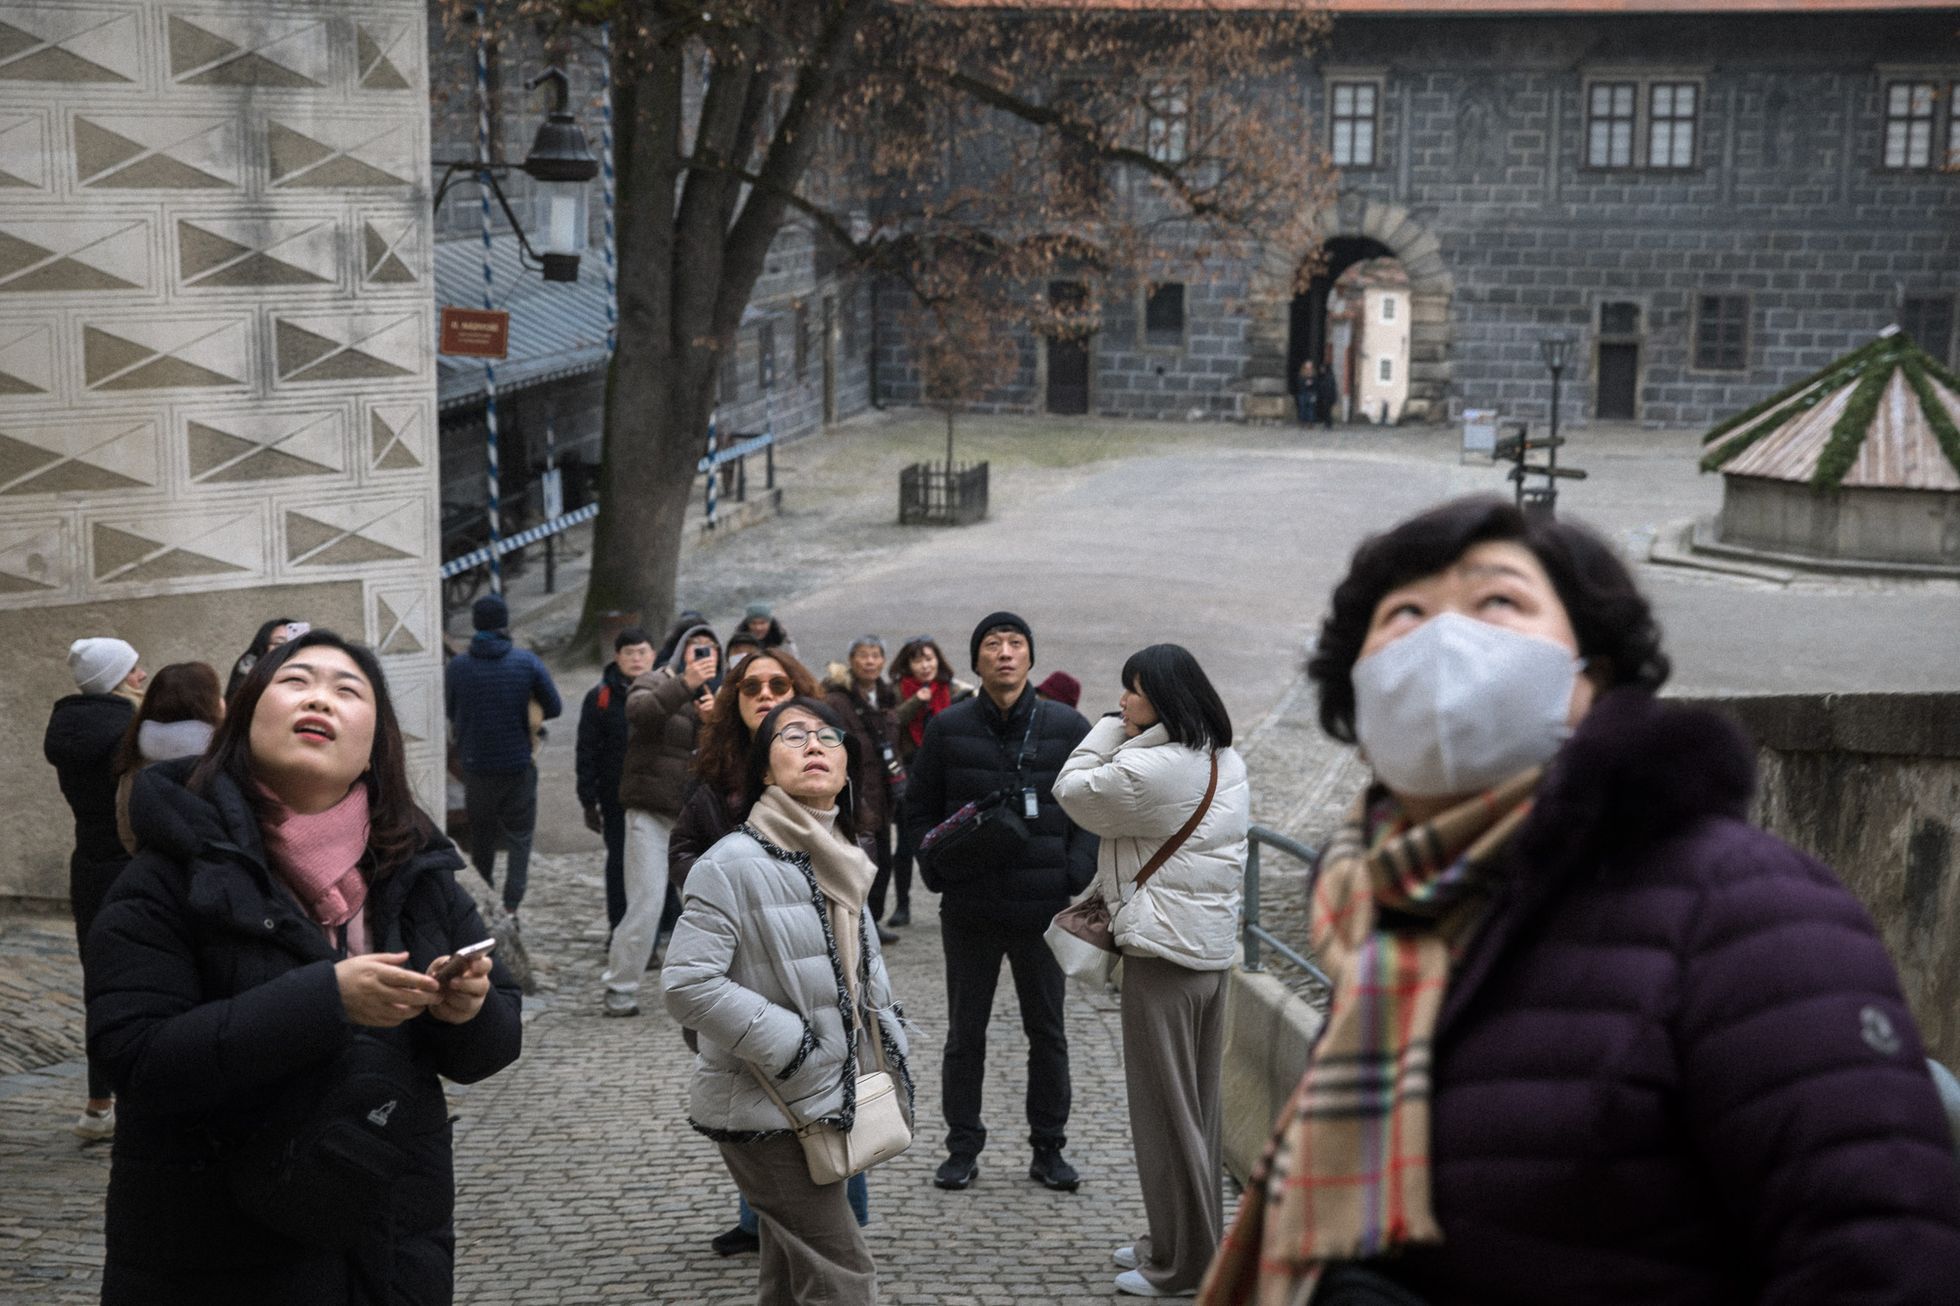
1050, 1170
735, 1242
957, 1171
900, 918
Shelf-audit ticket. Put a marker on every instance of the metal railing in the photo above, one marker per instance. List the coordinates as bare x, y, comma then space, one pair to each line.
1253, 934
727, 468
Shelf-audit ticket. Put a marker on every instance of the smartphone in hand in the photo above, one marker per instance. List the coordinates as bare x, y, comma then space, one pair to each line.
459, 961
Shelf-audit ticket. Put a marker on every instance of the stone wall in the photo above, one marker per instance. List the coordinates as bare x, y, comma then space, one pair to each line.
1482, 191
217, 396
1869, 784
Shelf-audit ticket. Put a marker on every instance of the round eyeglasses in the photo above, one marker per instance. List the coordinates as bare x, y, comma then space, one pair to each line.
798, 736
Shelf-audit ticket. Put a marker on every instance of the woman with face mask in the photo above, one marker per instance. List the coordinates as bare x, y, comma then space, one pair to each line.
1594, 1037
775, 964
264, 977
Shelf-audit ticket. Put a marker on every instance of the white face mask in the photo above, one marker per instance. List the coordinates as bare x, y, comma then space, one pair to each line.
1459, 705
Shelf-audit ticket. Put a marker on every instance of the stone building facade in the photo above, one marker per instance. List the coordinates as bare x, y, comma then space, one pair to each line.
217, 381
1711, 203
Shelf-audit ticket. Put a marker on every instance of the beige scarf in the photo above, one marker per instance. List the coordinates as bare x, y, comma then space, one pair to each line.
843, 872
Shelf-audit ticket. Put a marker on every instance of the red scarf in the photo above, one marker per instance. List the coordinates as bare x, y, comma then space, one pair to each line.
319, 858
942, 697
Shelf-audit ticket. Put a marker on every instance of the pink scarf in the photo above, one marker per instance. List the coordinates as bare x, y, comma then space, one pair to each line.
319, 857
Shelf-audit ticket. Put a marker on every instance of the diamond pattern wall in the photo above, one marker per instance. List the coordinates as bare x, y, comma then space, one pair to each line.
216, 347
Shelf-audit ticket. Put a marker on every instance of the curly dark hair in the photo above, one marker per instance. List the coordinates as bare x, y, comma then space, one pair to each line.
1615, 627
721, 751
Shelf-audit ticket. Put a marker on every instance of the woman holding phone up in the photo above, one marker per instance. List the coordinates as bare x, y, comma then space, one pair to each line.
262, 972
775, 964
1142, 773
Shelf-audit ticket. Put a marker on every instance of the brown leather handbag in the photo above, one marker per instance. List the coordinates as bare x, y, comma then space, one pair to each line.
1083, 934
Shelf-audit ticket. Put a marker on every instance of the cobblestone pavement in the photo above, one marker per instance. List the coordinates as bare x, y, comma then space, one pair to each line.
579, 1180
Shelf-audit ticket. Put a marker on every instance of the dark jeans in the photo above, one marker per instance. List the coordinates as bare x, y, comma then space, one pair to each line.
1303, 400
973, 955
88, 884
881, 857
503, 810
902, 868
613, 818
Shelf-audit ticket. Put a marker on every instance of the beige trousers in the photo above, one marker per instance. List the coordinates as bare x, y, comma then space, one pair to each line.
813, 1253
1173, 1043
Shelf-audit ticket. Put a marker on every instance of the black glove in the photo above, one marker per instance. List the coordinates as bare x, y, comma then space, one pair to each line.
595, 820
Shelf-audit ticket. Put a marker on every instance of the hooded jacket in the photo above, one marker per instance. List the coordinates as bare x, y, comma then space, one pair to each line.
661, 724
1674, 1065
83, 731
969, 752
487, 693
157, 741
602, 738
1134, 794
210, 994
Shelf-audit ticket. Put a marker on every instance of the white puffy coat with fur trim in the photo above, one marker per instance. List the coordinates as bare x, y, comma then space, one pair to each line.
1137, 793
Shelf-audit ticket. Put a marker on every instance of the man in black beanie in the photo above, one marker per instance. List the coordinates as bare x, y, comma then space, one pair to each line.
488, 693
1001, 888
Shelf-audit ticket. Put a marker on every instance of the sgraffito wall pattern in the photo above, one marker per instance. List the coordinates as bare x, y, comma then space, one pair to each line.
216, 352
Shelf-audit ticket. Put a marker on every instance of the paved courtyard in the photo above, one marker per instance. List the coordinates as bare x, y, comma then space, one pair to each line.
579, 1179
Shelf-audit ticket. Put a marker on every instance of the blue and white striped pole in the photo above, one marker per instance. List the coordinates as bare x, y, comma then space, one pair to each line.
714, 471
489, 365
606, 175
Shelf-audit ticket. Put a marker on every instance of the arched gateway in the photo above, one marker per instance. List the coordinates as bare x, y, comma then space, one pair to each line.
1354, 229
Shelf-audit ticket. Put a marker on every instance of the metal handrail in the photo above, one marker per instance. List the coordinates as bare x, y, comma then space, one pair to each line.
1252, 934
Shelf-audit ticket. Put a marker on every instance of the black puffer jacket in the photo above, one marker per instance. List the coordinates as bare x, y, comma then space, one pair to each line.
83, 732
969, 752
210, 993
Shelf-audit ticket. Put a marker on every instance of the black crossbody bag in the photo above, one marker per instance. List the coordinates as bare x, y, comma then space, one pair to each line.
987, 833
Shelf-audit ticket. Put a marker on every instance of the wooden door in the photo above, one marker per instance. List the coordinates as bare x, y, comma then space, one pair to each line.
829, 358
1068, 356
1618, 395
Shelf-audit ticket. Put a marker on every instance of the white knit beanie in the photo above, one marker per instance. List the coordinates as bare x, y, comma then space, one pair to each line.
99, 665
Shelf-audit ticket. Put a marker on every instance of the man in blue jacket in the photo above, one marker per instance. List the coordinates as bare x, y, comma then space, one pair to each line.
488, 693
602, 753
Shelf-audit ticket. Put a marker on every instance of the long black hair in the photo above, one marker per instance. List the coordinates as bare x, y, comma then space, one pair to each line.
765, 736
1187, 706
397, 829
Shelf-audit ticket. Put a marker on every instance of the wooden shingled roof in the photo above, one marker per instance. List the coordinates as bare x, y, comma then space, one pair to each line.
1886, 415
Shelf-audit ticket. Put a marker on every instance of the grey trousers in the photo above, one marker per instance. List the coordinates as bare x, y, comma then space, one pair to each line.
503, 813
1173, 1043
813, 1253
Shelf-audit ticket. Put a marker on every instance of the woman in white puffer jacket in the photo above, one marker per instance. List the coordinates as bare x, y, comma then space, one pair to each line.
1134, 781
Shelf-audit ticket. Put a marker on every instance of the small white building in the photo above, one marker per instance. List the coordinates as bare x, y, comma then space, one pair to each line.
1371, 354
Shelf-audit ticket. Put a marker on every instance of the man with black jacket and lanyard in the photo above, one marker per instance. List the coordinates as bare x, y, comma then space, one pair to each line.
1007, 744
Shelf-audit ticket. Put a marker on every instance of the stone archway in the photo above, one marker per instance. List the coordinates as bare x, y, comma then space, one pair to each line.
1431, 287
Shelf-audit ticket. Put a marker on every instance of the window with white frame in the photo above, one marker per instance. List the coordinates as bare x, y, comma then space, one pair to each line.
1609, 124
1356, 115
1909, 124
1167, 127
1388, 308
1385, 370
1671, 112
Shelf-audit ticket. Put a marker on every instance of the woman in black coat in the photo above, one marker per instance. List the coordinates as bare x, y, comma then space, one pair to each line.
278, 930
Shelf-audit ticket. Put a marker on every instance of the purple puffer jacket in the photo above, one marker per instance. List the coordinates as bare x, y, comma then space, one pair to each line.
1674, 1066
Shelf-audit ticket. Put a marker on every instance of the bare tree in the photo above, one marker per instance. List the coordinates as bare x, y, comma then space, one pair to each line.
967, 150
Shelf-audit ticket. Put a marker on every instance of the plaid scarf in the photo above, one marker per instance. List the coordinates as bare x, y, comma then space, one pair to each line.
1346, 1174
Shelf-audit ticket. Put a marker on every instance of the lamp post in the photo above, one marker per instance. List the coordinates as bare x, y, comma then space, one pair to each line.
561, 164
1557, 350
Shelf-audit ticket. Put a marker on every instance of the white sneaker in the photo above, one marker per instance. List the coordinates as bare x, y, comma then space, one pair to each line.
1124, 1258
621, 1004
1133, 1282
93, 1128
